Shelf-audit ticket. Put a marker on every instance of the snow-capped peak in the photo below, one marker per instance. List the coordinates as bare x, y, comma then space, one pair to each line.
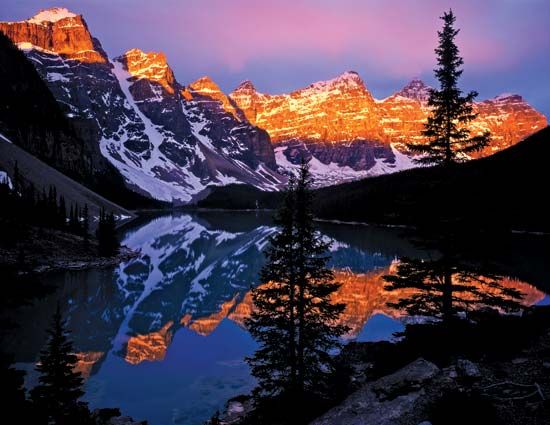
52, 15
348, 78
416, 89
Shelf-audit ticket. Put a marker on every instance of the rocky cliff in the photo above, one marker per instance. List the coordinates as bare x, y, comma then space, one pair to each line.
345, 133
167, 141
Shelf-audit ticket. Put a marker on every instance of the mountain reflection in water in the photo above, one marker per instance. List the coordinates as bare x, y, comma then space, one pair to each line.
162, 335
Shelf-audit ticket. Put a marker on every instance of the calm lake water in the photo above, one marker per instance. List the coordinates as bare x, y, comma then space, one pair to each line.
161, 336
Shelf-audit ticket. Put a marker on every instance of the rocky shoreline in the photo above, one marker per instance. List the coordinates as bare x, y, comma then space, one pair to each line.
45, 251
124, 254
389, 385
113, 416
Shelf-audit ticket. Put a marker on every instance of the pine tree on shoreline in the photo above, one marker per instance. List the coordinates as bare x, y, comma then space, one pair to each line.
56, 398
293, 319
449, 139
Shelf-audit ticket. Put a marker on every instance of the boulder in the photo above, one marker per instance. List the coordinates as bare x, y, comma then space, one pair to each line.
406, 379
467, 369
400, 398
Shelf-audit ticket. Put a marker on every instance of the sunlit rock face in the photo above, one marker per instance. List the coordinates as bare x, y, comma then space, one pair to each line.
151, 67
226, 124
343, 131
171, 141
57, 31
341, 109
168, 142
509, 118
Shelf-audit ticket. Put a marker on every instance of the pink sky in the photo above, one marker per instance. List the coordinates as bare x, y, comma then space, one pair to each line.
285, 44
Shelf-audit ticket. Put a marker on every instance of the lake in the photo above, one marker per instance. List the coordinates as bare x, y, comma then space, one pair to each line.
161, 336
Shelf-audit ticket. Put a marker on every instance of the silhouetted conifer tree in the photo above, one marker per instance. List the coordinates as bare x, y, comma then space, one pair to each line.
106, 235
293, 319
17, 180
62, 212
86, 223
56, 397
449, 139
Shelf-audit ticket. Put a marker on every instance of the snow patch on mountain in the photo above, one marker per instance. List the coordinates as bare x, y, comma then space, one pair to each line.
5, 179
334, 173
52, 15
145, 173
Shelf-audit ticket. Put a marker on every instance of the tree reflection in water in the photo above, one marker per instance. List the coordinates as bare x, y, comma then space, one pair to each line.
448, 286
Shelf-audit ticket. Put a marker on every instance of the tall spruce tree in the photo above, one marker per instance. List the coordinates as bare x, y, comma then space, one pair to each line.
86, 224
108, 243
62, 214
56, 397
449, 139
293, 319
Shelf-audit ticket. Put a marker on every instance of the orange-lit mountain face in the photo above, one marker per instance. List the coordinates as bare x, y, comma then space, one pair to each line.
342, 110
58, 31
150, 66
167, 141
172, 142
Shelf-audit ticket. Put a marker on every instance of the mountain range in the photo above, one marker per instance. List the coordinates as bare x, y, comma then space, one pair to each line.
174, 142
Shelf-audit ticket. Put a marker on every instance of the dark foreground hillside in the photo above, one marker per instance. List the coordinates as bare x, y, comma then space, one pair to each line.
505, 191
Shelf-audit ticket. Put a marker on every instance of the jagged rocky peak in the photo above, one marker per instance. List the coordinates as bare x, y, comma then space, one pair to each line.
57, 31
207, 91
349, 79
151, 66
508, 98
416, 90
245, 87
205, 85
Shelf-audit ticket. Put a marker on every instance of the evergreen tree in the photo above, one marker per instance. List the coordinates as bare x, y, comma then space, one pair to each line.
108, 244
62, 214
13, 399
293, 319
86, 223
71, 218
56, 397
449, 139
17, 180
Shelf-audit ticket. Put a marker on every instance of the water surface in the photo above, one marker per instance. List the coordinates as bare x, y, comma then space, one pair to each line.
162, 337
